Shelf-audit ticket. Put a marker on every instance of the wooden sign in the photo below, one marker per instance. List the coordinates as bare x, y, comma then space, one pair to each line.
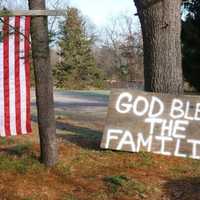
158, 123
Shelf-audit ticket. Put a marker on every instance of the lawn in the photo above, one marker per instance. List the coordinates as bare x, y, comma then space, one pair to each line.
85, 172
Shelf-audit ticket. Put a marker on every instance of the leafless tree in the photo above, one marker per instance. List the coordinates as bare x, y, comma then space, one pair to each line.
123, 38
11, 5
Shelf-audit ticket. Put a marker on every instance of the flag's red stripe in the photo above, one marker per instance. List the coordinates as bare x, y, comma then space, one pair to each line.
17, 76
27, 72
6, 75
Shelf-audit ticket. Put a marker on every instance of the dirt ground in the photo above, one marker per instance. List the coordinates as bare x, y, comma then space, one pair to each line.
85, 172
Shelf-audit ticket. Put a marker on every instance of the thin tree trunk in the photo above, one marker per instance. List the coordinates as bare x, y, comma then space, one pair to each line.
44, 85
161, 28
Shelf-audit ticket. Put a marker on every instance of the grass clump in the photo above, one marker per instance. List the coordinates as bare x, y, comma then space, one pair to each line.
20, 166
123, 184
114, 182
20, 159
6, 141
20, 149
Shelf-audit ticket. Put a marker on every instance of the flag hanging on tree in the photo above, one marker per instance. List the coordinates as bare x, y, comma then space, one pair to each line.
14, 76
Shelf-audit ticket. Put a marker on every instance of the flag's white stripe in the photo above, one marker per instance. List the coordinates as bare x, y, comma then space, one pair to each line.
2, 128
22, 76
12, 76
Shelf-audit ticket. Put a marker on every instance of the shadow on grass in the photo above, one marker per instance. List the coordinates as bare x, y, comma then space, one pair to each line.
21, 150
17, 150
81, 136
183, 189
84, 137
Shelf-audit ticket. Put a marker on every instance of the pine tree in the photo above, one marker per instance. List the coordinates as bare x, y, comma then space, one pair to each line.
77, 69
191, 43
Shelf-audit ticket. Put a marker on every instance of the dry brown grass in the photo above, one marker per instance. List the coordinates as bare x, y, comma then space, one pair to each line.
85, 172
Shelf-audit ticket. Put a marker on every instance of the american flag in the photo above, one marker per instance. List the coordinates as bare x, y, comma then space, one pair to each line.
14, 76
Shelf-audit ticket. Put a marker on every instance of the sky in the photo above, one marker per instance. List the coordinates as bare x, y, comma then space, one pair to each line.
100, 11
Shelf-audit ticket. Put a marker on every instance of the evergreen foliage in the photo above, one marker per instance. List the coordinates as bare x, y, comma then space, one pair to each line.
77, 68
191, 43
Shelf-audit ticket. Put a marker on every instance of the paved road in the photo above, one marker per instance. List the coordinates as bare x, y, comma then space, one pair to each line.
81, 105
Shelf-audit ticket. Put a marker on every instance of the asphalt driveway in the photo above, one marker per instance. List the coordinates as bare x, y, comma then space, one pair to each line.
79, 105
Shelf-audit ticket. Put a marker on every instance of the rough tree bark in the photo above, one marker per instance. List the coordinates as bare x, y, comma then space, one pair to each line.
44, 85
161, 28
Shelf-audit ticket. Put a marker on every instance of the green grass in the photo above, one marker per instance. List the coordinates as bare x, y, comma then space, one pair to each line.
7, 141
123, 184
20, 149
21, 166
20, 159
115, 182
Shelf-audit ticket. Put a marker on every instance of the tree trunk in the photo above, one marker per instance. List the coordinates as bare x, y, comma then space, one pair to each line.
161, 28
44, 85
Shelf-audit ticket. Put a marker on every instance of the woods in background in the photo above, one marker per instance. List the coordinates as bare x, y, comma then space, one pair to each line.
95, 58
191, 43
114, 53
120, 54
